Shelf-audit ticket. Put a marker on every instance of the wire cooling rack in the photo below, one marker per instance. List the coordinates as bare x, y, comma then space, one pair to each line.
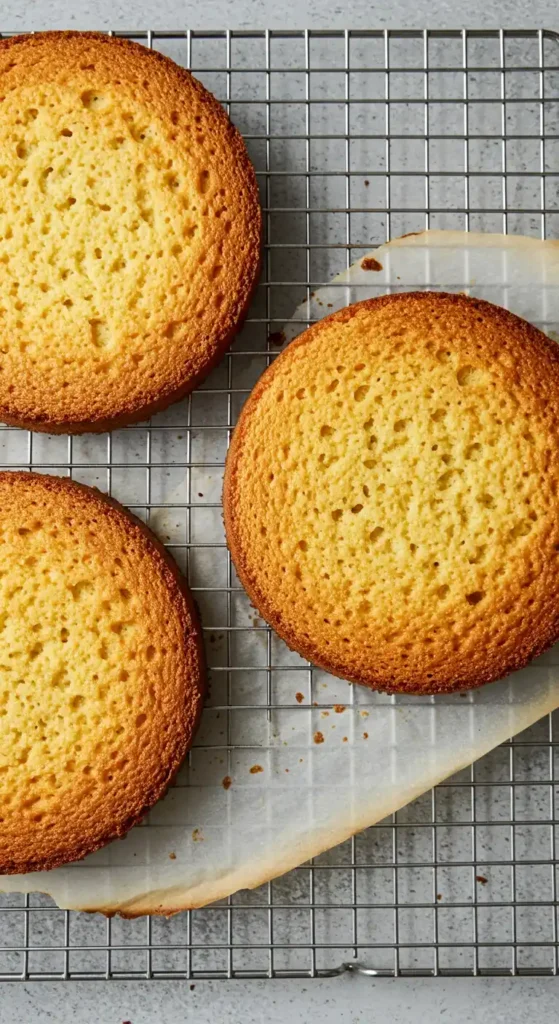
356, 137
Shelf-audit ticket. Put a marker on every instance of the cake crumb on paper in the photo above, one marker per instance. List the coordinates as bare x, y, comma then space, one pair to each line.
370, 263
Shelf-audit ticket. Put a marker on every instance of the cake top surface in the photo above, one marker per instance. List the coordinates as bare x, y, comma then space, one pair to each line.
101, 671
391, 492
129, 226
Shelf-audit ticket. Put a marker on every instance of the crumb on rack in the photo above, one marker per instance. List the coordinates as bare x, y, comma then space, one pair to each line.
318, 737
365, 735
256, 768
226, 782
338, 708
299, 697
172, 855
482, 879
197, 836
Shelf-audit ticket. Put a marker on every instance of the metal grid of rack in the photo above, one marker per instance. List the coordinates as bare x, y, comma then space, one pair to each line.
356, 137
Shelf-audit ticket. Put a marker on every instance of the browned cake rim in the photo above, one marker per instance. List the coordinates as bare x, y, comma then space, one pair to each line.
226, 327
180, 596
541, 639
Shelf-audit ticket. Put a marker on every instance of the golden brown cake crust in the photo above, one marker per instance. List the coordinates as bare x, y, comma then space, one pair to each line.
130, 232
390, 493
101, 671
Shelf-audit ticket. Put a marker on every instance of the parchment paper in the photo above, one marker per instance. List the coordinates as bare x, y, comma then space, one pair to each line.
238, 817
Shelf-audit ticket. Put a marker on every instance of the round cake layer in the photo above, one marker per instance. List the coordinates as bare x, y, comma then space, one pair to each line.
101, 671
391, 493
129, 226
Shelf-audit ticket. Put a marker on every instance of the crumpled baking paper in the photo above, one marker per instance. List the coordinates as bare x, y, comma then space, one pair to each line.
330, 758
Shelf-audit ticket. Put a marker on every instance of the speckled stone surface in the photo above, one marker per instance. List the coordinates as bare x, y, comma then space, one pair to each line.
351, 999
292, 14
337, 1001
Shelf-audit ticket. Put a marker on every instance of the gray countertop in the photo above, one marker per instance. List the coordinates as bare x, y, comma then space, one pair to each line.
301, 14
333, 1001
351, 999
